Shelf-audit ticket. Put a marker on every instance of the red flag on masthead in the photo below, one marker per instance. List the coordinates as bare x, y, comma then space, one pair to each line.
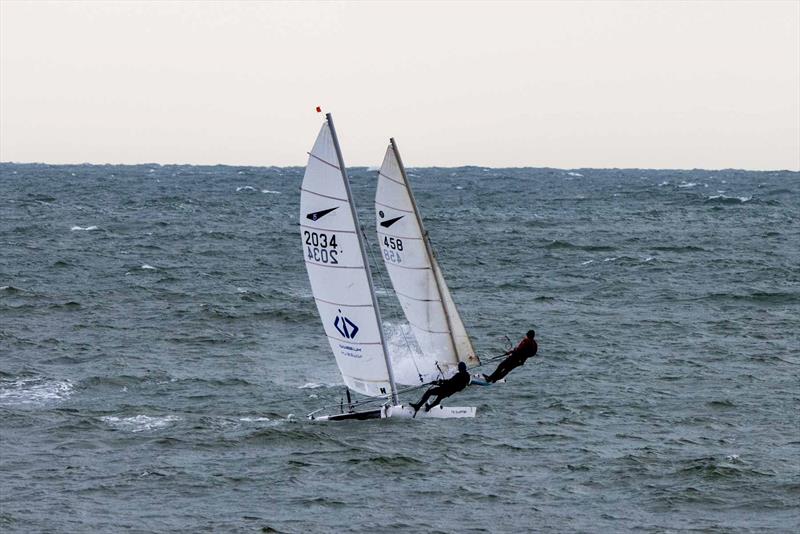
319, 109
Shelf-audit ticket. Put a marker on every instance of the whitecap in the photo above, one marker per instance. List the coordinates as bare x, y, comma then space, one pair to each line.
270, 192
34, 391
610, 259
253, 419
373, 169
86, 228
726, 197
245, 188
587, 262
311, 385
147, 267
140, 423
687, 184
575, 174
648, 258
459, 187
662, 184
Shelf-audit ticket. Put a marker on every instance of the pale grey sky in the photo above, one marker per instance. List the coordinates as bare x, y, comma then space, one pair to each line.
575, 84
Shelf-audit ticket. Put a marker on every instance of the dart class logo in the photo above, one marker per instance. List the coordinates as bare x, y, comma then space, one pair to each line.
315, 216
387, 223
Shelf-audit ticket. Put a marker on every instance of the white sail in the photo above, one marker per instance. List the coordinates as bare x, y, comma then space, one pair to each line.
337, 272
415, 273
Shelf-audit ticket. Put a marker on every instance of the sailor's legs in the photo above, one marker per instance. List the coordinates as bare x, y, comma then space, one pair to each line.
431, 391
505, 367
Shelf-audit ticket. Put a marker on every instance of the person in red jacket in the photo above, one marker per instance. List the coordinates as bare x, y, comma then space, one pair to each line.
527, 348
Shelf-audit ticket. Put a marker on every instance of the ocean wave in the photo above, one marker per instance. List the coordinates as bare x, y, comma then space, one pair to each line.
557, 244
756, 296
680, 248
245, 188
687, 185
140, 423
267, 191
83, 228
713, 468
10, 289
313, 385
34, 391
724, 199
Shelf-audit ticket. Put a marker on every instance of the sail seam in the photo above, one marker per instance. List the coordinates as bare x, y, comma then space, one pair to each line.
328, 229
334, 266
323, 161
321, 195
400, 236
392, 179
426, 330
414, 298
404, 267
392, 207
344, 305
351, 342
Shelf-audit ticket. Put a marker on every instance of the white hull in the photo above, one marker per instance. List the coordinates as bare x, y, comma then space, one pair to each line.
403, 411
439, 412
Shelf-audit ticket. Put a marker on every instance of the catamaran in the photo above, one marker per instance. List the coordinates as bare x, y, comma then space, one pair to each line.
341, 281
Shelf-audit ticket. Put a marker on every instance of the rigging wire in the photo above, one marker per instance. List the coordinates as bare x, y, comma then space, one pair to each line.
386, 289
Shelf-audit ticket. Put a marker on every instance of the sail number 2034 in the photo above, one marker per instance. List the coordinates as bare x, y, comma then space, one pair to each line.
392, 247
321, 248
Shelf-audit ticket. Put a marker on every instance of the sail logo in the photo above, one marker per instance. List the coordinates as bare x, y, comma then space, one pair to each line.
389, 222
319, 214
345, 326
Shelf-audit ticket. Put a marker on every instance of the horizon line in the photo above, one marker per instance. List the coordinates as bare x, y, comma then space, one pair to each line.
410, 167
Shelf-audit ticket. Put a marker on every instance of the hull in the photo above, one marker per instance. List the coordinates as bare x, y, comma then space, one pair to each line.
439, 412
402, 411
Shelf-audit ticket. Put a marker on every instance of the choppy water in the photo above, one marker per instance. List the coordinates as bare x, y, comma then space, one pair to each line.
157, 329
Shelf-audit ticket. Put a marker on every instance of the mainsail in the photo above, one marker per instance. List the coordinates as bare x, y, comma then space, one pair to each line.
415, 273
338, 272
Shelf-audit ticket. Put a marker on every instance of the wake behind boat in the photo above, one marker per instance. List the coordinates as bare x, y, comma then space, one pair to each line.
341, 282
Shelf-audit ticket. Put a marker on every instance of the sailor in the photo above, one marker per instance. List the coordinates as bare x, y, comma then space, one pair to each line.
527, 348
444, 388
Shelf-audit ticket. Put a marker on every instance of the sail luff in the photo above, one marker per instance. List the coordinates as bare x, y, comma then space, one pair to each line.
367, 269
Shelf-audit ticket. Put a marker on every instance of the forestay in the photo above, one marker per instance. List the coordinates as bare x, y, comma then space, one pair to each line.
415, 273
337, 272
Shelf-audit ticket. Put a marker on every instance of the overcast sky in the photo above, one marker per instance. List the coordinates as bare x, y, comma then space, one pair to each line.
628, 84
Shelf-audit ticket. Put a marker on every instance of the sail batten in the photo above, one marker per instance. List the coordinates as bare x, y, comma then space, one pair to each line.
414, 271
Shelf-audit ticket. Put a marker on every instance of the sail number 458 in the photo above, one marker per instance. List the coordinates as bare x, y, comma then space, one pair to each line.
318, 245
393, 247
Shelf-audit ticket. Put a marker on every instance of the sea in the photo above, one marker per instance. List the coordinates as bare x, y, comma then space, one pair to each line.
160, 350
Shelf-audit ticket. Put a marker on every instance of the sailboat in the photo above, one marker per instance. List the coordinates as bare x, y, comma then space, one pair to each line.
416, 276
341, 281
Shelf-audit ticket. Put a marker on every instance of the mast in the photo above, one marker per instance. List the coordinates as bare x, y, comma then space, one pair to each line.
426, 240
360, 238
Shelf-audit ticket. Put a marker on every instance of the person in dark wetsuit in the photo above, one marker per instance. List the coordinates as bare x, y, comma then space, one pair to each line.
527, 348
444, 388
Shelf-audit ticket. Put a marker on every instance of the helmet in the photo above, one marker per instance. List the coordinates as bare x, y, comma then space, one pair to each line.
462, 367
